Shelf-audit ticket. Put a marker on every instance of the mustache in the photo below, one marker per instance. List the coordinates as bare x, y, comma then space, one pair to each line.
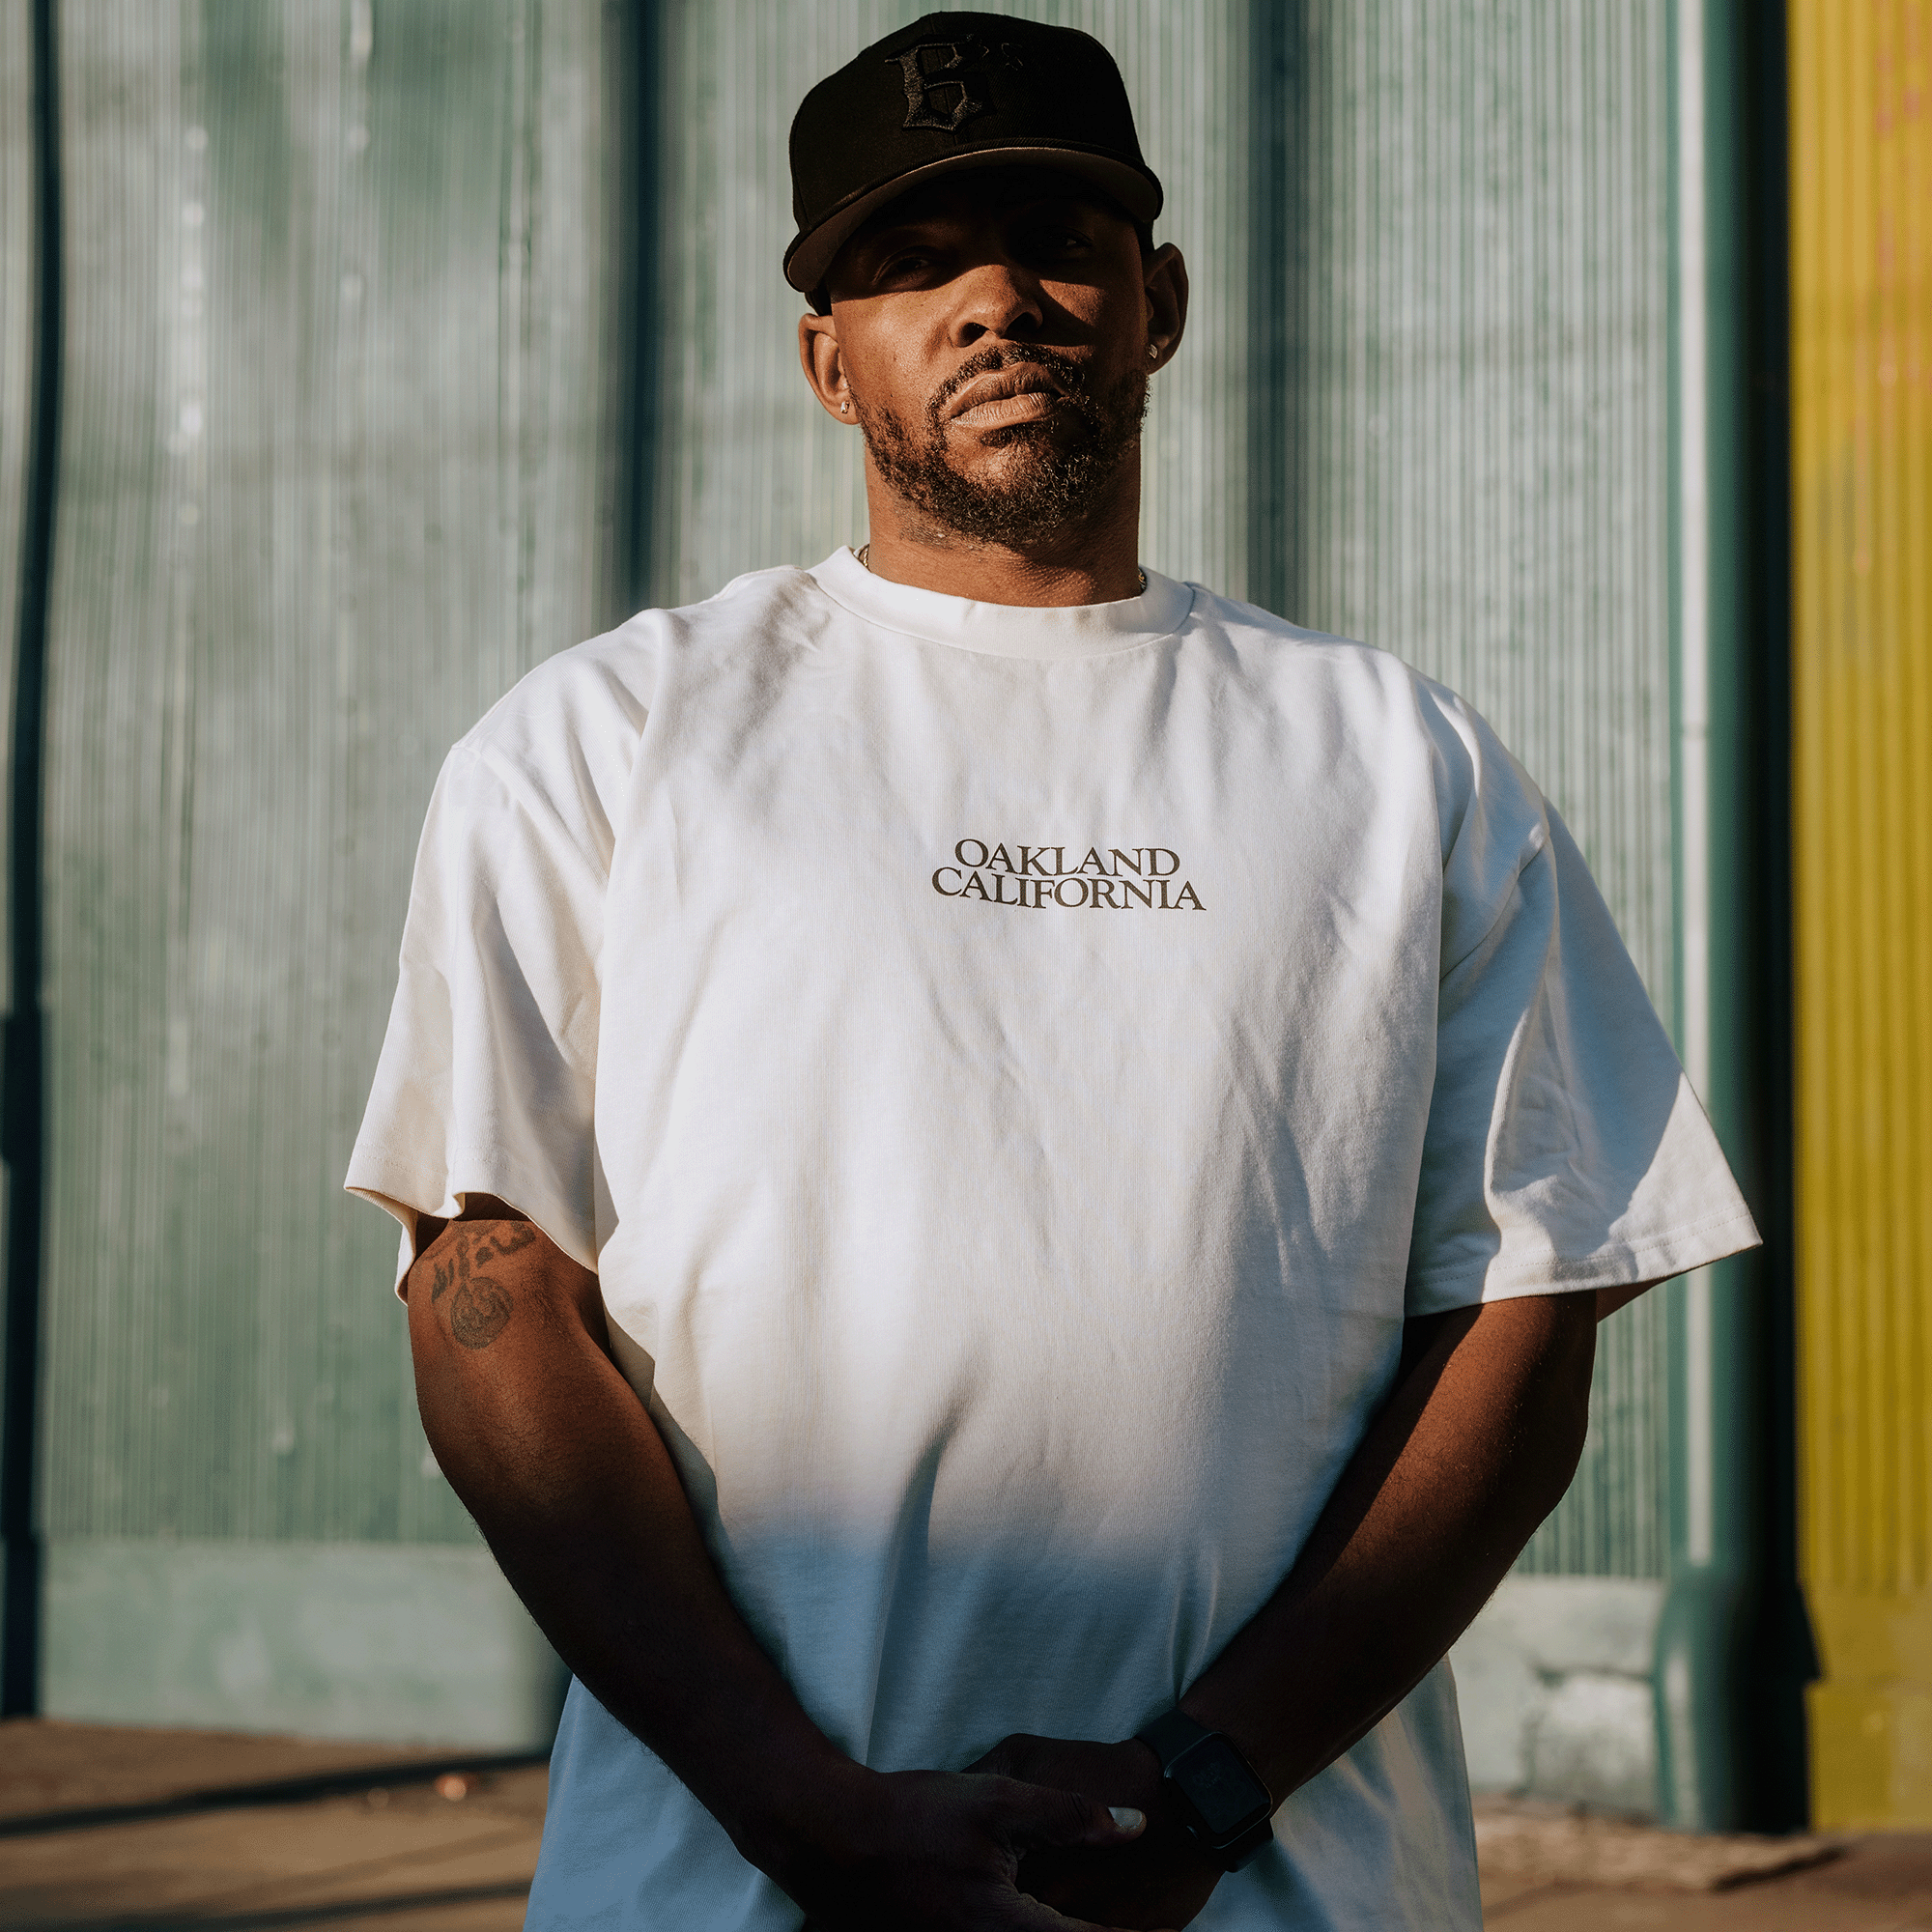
1068, 372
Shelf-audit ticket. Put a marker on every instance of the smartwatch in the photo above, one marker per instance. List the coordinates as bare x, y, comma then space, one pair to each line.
1228, 1810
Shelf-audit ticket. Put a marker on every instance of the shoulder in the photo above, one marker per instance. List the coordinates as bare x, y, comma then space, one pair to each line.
1265, 644
560, 744
1374, 689
595, 698
1388, 712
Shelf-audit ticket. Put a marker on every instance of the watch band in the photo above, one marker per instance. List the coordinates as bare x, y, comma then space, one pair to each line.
1170, 1734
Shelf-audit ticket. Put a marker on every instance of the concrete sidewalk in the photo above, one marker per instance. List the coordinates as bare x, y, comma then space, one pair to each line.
112, 1829
1547, 1870
103, 1827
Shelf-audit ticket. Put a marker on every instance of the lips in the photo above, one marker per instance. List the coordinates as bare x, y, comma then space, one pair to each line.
1023, 393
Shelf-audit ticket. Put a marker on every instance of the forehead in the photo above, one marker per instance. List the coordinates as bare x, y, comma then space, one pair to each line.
981, 194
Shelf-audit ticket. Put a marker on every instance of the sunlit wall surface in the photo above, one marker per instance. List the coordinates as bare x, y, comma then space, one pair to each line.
1474, 222
410, 343
343, 430
1861, 242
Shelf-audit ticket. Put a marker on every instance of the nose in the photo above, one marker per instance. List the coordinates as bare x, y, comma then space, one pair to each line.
996, 298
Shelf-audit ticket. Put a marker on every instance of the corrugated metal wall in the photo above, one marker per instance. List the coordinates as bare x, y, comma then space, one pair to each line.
350, 442
342, 450
1861, 271
1476, 337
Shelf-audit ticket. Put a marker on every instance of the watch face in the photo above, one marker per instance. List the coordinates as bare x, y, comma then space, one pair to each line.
1220, 1786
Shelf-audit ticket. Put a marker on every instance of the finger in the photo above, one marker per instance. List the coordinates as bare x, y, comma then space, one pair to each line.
1039, 1814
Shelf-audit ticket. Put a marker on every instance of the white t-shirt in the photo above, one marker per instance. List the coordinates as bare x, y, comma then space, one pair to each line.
1015, 1070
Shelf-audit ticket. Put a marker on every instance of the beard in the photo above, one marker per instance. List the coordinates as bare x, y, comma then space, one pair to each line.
1052, 481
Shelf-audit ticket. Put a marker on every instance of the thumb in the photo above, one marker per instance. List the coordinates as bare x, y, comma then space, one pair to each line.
1039, 1814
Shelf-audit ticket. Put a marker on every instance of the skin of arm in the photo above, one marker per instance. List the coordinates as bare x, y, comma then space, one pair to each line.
547, 1444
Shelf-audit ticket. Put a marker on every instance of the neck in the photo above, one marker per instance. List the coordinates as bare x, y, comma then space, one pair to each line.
1094, 561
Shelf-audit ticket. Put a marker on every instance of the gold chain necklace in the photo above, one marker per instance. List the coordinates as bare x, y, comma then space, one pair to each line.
865, 551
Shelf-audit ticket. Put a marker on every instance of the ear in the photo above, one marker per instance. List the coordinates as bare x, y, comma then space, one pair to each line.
1167, 303
824, 367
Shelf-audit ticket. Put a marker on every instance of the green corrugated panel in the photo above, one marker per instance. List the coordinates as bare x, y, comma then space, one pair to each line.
341, 451
1470, 332
745, 470
402, 485
18, 298
1477, 361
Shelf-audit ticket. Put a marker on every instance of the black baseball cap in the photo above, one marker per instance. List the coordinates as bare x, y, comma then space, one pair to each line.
956, 91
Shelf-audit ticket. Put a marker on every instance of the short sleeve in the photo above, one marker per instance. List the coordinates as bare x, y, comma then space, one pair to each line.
487, 1079
1565, 1148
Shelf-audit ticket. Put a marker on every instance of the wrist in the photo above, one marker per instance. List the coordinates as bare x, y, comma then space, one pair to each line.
809, 1809
1238, 1726
1219, 1799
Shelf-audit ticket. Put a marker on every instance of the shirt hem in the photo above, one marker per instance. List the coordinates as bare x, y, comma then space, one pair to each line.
1657, 1258
405, 1192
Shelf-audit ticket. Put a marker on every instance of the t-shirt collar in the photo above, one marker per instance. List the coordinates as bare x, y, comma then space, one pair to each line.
1006, 630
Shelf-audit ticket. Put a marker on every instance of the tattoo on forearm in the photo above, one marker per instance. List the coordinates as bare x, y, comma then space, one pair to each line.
482, 1308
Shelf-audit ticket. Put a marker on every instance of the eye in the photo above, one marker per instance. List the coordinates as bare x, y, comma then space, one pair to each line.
1055, 241
906, 263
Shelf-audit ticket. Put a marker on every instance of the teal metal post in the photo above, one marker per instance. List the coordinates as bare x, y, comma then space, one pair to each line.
1732, 1648
1701, 1635
23, 1088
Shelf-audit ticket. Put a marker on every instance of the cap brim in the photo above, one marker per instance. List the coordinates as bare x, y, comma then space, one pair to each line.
812, 254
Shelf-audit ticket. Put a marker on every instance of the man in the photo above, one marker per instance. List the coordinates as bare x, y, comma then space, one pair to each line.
1008, 1166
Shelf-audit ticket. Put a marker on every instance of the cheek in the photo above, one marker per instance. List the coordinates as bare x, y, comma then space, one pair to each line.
1113, 319
896, 369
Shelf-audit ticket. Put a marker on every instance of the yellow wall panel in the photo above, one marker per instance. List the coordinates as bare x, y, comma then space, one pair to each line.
1861, 465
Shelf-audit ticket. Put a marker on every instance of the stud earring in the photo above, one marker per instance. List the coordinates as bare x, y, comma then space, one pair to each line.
1153, 352
843, 405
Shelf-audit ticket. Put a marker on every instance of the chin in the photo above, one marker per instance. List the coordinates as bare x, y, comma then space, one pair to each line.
996, 457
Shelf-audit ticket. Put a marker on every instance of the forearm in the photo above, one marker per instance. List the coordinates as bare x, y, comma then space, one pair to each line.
579, 1498
1473, 1449
579, 1501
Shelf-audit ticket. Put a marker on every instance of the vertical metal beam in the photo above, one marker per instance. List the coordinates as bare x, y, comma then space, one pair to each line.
1730, 1646
1696, 1679
22, 1106
1275, 30
639, 34
1782, 1659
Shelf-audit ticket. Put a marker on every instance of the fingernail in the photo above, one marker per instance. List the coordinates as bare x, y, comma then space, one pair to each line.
1127, 1817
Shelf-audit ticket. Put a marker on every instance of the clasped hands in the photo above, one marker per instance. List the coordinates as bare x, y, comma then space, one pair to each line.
1041, 1834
